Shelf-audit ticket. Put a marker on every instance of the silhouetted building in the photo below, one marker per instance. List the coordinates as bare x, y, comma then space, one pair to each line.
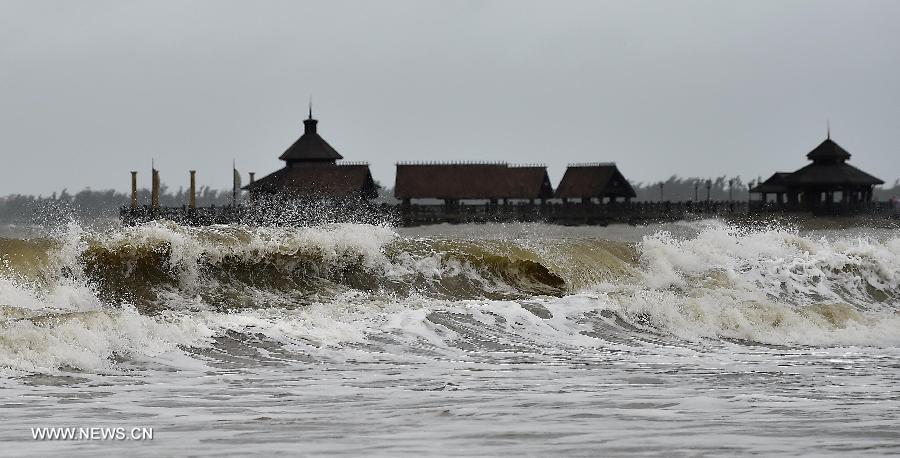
774, 185
311, 171
594, 181
471, 181
827, 185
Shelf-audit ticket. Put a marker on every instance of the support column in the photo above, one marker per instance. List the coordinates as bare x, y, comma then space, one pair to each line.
193, 189
154, 191
406, 208
133, 189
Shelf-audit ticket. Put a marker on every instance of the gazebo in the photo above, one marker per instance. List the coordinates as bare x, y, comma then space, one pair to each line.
828, 185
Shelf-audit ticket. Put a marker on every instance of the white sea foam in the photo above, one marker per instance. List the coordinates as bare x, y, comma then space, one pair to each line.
691, 342
772, 286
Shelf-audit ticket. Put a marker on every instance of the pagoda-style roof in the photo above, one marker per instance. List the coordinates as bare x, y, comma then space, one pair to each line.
828, 171
828, 151
594, 180
831, 174
318, 180
774, 184
310, 147
471, 181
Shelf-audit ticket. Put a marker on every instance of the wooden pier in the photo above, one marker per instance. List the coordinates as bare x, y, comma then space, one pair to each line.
570, 214
315, 188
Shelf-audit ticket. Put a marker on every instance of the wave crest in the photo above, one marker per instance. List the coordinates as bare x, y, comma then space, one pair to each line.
86, 299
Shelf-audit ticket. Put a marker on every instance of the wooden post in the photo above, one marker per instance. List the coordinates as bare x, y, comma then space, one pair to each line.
133, 189
193, 189
708, 187
154, 191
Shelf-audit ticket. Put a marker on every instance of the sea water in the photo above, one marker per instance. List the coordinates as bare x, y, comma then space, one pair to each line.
681, 339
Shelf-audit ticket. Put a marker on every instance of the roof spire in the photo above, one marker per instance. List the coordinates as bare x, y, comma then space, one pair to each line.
828, 128
309, 124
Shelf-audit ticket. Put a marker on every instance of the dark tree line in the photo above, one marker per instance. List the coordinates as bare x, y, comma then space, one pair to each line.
89, 204
677, 189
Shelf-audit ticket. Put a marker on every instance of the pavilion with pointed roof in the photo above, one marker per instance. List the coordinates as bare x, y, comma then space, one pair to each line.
827, 185
312, 171
310, 147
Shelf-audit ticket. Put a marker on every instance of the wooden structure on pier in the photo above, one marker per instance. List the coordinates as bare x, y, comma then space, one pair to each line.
317, 181
826, 186
455, 182
479, 192
326, 190
312, 171
586, 182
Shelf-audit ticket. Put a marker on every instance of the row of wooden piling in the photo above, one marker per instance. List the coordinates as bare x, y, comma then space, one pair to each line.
154, 188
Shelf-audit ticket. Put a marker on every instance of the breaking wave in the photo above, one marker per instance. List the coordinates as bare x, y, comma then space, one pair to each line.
105, 301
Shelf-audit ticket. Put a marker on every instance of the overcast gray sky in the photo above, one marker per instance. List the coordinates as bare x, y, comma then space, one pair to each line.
92, 89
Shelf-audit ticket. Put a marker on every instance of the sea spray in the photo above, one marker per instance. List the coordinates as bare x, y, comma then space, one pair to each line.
90, 300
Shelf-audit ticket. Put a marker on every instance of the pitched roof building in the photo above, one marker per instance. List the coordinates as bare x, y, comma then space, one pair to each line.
311, 171
599, 180
310, 147
829, 170
823, 184
471, 181
319, 181
775, 184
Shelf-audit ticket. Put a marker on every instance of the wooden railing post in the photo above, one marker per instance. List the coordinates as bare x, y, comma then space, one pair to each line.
133, 190
193, 189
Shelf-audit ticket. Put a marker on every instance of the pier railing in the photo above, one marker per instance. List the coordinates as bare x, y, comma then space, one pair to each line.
199, 216
267, 214
419, 214
565, 213
874, 208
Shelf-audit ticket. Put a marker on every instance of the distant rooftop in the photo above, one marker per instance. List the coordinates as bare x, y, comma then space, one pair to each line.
592, 164
828, 151
310, 147
471, 180
594, 179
